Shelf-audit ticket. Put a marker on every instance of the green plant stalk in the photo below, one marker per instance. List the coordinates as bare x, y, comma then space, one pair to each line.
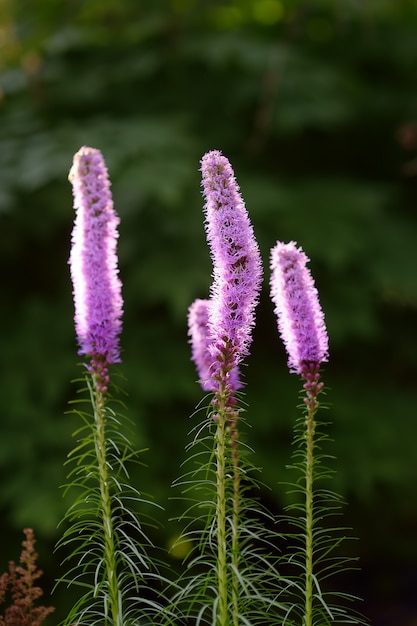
235, 515
312, 388
221, 451
105, 498
309, 512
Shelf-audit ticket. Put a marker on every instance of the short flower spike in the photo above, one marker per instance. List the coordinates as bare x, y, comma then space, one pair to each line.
300, 317
200, 339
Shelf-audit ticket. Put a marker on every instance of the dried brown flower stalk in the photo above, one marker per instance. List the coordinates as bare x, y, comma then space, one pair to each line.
18, 583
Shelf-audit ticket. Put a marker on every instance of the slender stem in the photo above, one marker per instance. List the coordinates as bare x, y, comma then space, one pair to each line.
222, 578
235, 515
105, 498
227, 470
310, 427
312, 386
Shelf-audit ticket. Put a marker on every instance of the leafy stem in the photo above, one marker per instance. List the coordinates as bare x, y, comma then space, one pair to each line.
105, 500
235, 514
310, 428
221, 509
312, 386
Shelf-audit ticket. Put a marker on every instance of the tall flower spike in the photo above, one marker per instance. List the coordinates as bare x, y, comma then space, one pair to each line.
300, 317
200, 339
93, 261
237, 269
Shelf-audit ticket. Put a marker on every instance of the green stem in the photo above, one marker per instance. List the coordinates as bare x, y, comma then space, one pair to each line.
222, 614
235, 516
227, 460
105, 499
312, 386
310, 427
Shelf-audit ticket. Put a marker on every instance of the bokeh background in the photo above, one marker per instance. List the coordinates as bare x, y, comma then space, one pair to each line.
315, 104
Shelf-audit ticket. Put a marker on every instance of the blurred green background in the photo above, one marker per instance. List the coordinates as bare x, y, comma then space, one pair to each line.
315, 104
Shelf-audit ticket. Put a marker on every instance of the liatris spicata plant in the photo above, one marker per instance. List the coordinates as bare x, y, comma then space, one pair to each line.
237, 274
223, 588
103, 533
231, 577
303, 331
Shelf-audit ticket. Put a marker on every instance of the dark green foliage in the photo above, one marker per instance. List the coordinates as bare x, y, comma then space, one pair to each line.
314, 103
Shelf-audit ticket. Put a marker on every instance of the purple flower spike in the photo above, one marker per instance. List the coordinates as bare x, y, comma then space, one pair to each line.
200, 339
300, 317
93, 261
237, 268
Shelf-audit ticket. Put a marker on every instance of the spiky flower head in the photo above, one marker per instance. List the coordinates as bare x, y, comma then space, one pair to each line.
237, 269
93, 260
200, 339
300, 317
